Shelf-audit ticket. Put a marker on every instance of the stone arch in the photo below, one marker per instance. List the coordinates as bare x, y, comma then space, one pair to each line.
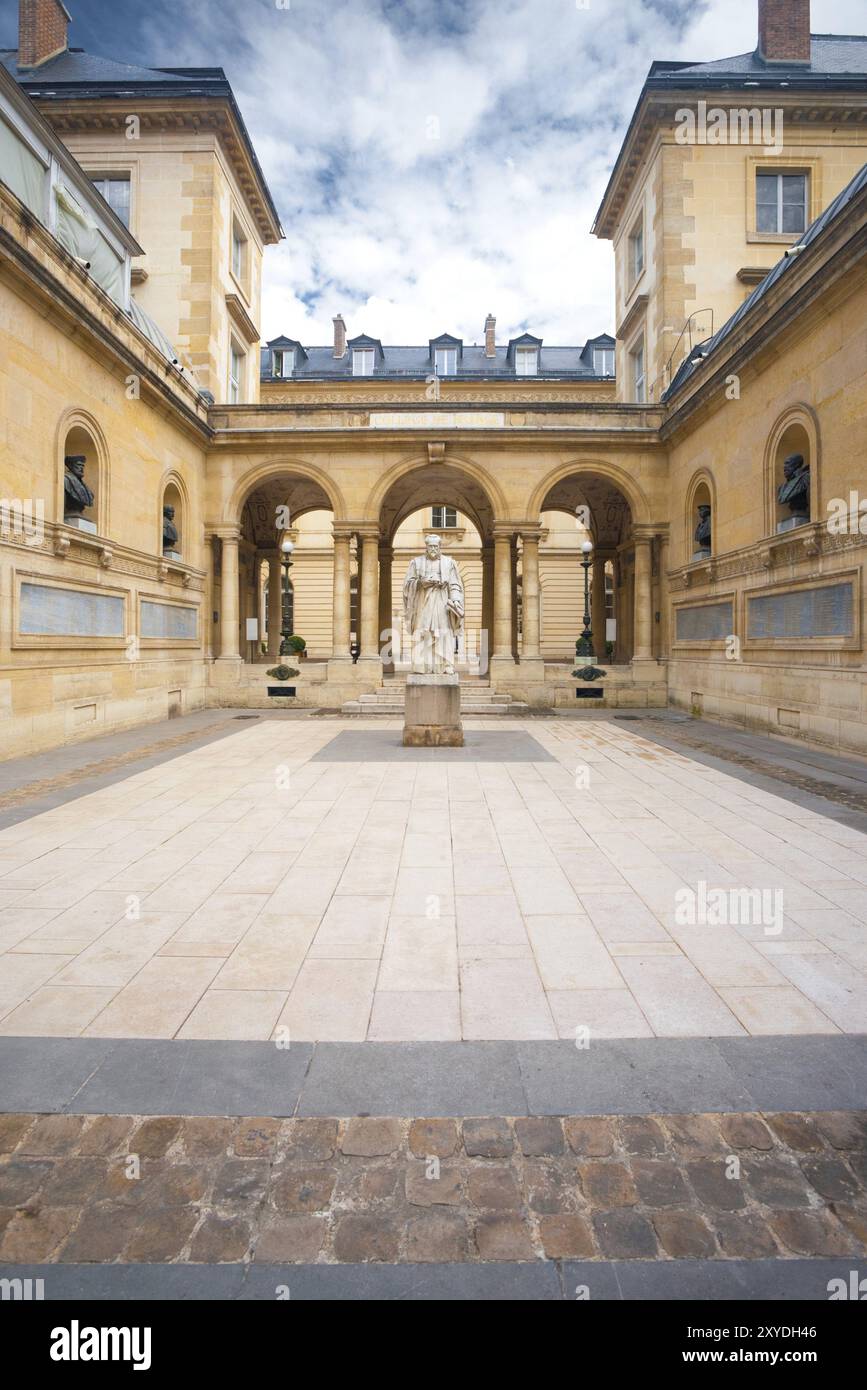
79, 432
271, 472
795, 431
480, 496
612, 473
701, 489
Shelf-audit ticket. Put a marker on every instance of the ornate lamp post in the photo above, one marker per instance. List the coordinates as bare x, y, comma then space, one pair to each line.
584, 667
286, 550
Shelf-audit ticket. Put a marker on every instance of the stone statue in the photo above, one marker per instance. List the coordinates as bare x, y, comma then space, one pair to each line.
703, 529
794, 493
433, 608
76, 494
170, 530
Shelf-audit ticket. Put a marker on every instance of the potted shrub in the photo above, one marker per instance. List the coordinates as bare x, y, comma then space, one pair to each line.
297, 645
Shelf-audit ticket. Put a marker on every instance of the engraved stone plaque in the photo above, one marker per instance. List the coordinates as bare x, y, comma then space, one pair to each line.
169, 621
822, 612
705, 622
49, 612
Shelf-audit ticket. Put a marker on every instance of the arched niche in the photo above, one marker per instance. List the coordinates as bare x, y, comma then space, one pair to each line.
173, 513
795, 434
82, 475
701, 493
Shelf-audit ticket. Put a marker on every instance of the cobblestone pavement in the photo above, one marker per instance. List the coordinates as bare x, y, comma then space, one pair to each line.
122, 1188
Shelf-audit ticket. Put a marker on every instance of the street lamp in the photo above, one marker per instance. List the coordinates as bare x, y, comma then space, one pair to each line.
584, 667
286, 550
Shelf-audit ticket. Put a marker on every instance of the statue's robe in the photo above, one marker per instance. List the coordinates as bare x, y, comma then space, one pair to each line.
434, 613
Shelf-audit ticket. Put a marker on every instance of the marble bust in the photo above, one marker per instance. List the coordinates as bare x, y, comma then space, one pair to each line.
77, 496
433, 609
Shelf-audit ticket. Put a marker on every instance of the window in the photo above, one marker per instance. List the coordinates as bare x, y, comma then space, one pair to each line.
526, 361
603, 361
115, 191
236, 373
636, 250
362, 362
283, 364
638, 375
446, 361
781, 203
239, 252
443, 518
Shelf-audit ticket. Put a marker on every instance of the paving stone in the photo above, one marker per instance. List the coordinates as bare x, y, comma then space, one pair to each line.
369, 1138
306, 1188
433, 1138
379, 1184
154, 1137
503, 1238
607, 1184
776, 1182
293, 1239
683, 1235
101, 1234
810, 1233
488, 1138
359, 1239
175, 1185
220, 1240
659, 1183
241, 1180
206, 1136
52, 1134
713, 1187
590, 1138
694, 1134
831, 1178
539, 1137
425, 1191
493, 1187
160, 1236
854, 1219
21, 1179
624, 1235
309, 1139
256, 1138
437, 1236
107, 1135
639, 1134
32, 1239
796, 1131
745, 1132
843, 1129
551, 1187
12, 1130
566, 1237
743, 1235
74, 1182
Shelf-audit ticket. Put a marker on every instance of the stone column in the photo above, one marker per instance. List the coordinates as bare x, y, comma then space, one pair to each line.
340, 598
642, 626
664, 635
597, 604
503, 598
531, 649
275, 603
370, 598
514, 567
486, 636
229, 596
386, 616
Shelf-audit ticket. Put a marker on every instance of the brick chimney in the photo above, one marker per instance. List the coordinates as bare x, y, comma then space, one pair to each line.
339, 336
42, 31
490, 336
784, 31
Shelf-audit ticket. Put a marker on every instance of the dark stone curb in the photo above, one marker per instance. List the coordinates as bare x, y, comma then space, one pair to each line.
675, 1280
646, 1076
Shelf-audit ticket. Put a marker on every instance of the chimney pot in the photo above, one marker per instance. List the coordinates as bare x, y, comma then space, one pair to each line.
43, 31
490, 336
339, 336
784, 31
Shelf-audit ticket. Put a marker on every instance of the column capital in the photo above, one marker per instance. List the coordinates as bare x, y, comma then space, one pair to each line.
531, 532
224, 533
649, 530
504, 530
367, 530
342, 531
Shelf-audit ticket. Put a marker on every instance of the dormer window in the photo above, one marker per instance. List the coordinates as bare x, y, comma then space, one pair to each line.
526, 361
282, 363
362, 361
603, 361
446, 361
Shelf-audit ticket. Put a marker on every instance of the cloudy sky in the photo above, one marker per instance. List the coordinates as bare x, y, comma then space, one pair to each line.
432, 160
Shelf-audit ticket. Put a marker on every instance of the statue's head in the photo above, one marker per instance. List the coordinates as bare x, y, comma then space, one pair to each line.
169, 513
432, 545
704, 510
75, 463
793, 464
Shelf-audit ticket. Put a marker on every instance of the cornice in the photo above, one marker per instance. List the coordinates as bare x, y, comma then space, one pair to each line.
241, 319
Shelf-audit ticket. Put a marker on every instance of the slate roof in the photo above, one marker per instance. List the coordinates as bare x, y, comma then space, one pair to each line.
815, 230
831, 55
415, 363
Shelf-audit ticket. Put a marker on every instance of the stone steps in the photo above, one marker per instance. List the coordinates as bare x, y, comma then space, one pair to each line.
391, 702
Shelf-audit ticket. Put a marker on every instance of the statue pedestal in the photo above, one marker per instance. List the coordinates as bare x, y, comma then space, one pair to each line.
432, 712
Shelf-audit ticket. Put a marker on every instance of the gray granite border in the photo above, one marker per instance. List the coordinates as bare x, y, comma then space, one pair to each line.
639, 1076
540, 1280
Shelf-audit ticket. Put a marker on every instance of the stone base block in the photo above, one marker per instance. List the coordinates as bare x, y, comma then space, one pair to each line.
432, 717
